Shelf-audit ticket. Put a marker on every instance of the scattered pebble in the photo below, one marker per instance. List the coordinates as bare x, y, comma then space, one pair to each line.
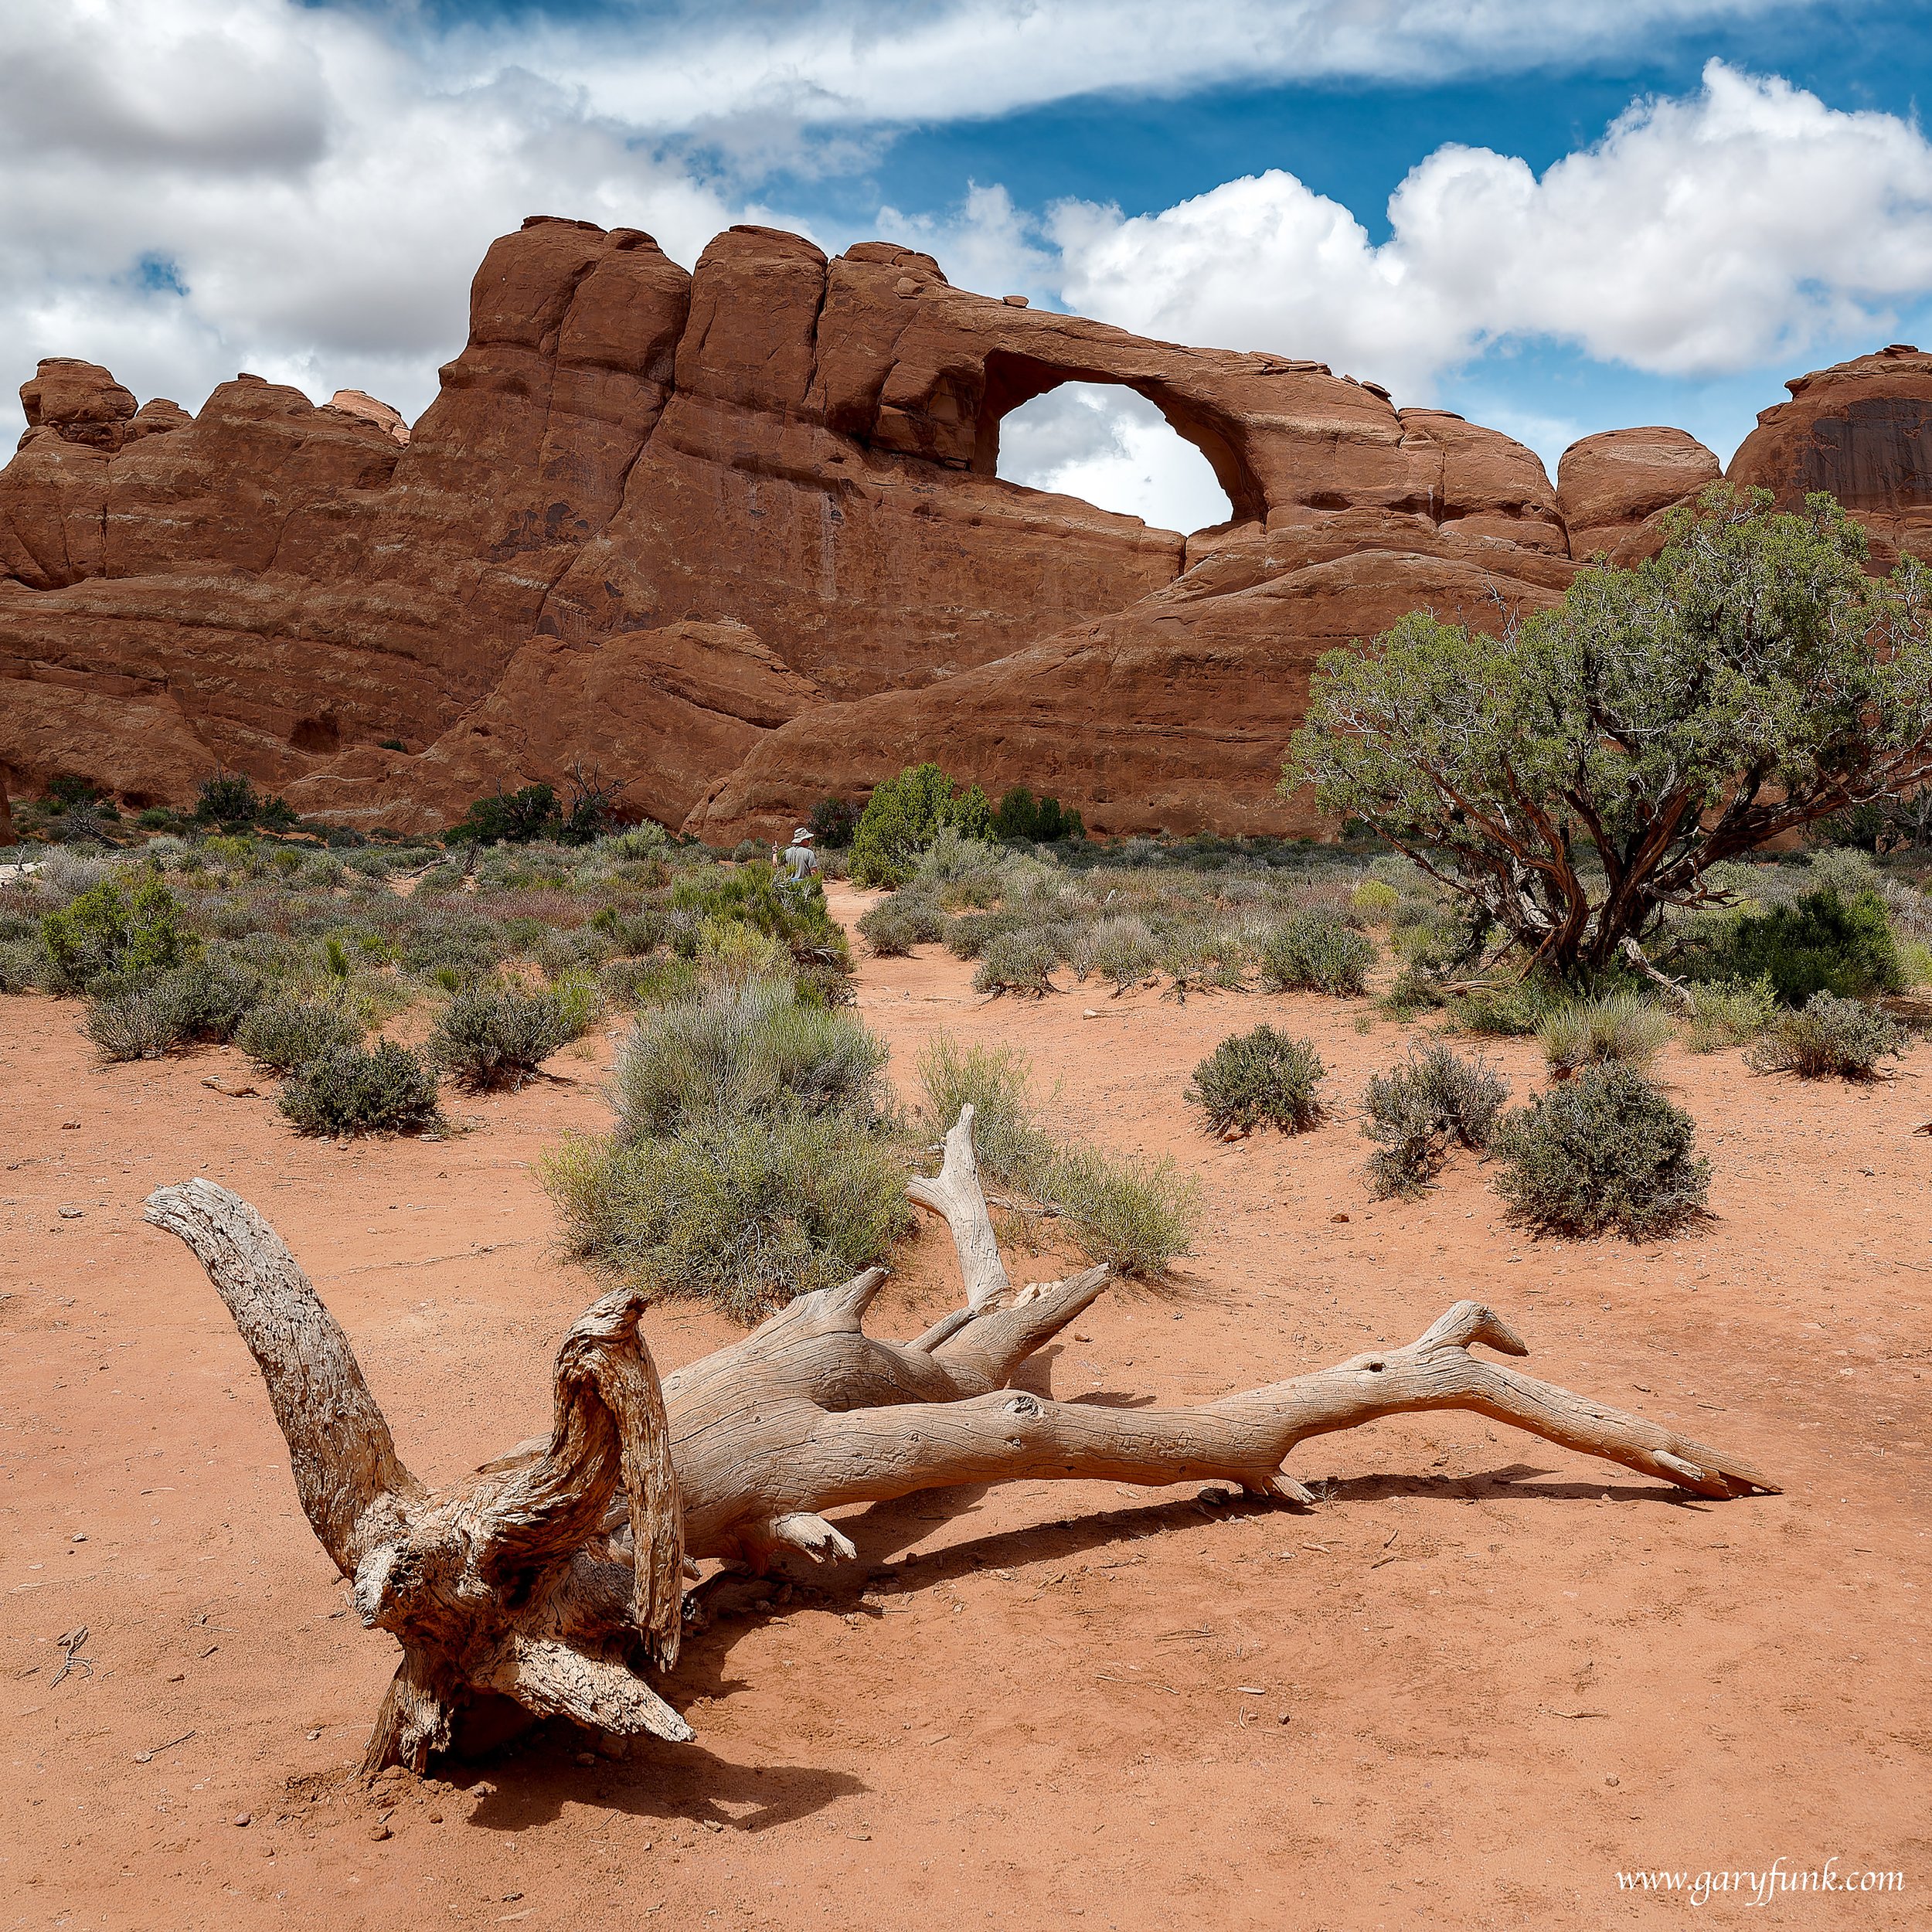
244, 1818
586, 1758
80, 1536
72, 1213
380, 1831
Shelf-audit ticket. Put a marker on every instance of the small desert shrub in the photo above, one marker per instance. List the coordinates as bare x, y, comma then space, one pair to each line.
1375, 899
132, 1017
904, 816
1017, 962
1123, 950
495, 1035
1257, 1076
752, 1052
285, 1034
1313, 951
1730, 1013
1606, 1150
1619, 1026
746, 1212
895, 926
1830, 1037
1415, 1111
1137, 1216
967, 937
350, 1090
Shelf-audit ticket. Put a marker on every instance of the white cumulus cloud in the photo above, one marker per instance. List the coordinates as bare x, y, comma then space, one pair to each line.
1700, 236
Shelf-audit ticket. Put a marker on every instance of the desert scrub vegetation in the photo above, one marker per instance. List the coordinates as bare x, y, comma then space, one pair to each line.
350, 1090
1621, 1025
1606, 1150
1138, 1216
1262, 1076
284, 1034
498, 1035
755, 1157
1315, 950
1729, 1013
1831, 1036
1431, 1100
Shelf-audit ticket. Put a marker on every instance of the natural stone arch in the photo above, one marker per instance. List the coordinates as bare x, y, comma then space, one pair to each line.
1012, 378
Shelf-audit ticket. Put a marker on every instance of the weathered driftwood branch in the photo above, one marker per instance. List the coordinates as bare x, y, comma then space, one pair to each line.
552, 1577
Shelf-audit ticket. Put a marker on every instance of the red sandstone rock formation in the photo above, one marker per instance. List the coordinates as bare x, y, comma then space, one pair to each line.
738, 536
1862, 431
1607, 485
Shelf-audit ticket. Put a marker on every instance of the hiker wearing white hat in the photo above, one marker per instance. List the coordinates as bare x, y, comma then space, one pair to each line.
800, 856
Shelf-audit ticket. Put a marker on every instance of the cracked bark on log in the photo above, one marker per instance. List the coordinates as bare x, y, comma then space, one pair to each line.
553, 1576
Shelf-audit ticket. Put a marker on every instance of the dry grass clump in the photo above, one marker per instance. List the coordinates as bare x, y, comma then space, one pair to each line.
1138, 1216
1618, 1026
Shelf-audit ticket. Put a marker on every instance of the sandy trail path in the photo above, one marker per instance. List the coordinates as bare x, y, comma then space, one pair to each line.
1481, 1679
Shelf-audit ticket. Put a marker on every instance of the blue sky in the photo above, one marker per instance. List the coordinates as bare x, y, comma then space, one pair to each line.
1554, 219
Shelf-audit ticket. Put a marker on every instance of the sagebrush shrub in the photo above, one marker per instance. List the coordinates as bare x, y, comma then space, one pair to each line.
1021, 962
1830, 1037
1123, 950
1419, 1108
283, 1035
755, 1051
1605, 1151
1262, 1075
1504, 1010
495, 1035
350, 1090
1618, 1026
744, 1212
143, 1016
1315, 951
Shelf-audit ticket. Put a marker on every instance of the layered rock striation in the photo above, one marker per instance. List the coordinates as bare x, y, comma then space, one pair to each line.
736, 539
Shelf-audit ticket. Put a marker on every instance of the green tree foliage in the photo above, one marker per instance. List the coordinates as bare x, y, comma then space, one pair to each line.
229, 799
905, 816
1824, 942
508, 819
1577, 775
1019, 815
833, 821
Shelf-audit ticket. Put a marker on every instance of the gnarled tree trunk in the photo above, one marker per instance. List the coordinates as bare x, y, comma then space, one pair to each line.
553, 1576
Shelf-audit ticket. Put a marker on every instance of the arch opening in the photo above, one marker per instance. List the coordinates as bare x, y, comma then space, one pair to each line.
1110, 444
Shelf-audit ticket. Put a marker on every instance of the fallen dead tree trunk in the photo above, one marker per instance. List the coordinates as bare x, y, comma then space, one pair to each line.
554, 1576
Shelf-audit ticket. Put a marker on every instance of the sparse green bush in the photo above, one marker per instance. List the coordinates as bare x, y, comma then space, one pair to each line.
514, 818
1375, 899
494, 1036
967, 935
350, 1090
1618, 1026
1017, 962
1830, 1037
285, 1034
1415, 1111
832, 823
1313, 950
23, 965
889, 929
1256, 1077
1730, 1013
1606, 1150
746, 1212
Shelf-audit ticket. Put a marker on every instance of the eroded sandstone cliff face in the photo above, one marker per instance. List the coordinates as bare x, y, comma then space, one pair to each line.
737, 538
